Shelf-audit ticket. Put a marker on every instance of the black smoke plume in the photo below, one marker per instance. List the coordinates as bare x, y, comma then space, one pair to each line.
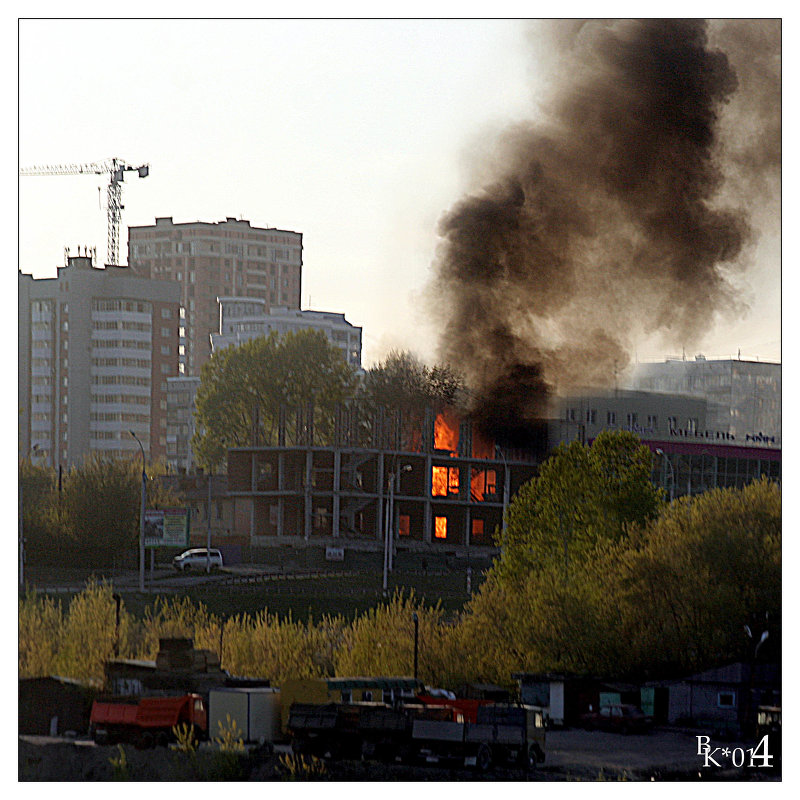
604, 221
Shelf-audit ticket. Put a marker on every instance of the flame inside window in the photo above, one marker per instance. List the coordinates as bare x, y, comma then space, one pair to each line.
440, 527
445, 433
404, 525
444, 481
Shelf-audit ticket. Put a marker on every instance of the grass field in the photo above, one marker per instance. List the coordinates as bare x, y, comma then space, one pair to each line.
305, 598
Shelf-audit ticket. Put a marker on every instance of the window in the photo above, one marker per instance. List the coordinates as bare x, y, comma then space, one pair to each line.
166, 313
611, 418
440, 527
571, 415
672, 423
404, 525
652, 421
726, 699
347, 696
691, 424
591, 416
366, 696
632, 419
477, 528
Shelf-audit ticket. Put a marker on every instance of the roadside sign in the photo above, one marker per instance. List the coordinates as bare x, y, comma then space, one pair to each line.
168, 527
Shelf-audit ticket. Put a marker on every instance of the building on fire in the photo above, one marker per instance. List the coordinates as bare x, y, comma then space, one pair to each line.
441, 486
436, 485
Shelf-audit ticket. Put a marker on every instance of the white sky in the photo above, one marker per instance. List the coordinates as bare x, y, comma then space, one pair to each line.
354, 132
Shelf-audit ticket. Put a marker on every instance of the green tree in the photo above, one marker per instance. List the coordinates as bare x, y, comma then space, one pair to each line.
582, 496
404, 386
696, 575
100, 508
245, 389
40, 510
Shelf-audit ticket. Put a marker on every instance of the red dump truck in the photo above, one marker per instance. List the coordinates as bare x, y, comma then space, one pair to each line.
148, 721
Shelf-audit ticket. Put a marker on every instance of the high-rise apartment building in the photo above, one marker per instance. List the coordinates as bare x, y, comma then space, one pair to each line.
96, 347
216, 259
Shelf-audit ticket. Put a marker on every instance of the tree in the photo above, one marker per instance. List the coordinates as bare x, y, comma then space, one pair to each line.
402, 385
696, 575
100, 508
246, 392
39, 500
582, 495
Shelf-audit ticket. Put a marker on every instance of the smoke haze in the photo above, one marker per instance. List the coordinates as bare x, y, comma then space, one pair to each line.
621, 212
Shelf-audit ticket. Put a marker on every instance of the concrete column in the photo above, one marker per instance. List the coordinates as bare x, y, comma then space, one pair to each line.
280, 489
308, 509
337, 468
379, 510
427, 530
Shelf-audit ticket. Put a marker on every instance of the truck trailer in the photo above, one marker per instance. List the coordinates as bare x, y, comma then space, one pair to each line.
147, 721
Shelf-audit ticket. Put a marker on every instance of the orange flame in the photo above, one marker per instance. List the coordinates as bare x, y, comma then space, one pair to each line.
445, 432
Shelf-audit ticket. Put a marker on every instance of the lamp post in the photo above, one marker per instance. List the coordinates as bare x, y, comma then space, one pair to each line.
671, 471
416, 644
208, 528
141, 515
388, 537
395, 486
506, 476
21, 530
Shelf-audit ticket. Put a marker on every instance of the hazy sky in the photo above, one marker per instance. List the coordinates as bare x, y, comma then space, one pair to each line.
359, 134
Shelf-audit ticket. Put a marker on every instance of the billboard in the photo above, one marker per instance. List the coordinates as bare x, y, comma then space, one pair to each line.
167, 527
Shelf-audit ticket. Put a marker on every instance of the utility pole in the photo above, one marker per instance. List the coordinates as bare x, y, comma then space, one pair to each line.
141, 514
208, 528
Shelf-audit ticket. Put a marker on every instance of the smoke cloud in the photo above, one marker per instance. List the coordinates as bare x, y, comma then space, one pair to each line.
608, 218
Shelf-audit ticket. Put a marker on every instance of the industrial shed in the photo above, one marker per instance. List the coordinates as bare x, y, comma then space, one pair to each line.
52, 706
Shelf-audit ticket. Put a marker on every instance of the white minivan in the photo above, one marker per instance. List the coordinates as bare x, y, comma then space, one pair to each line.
197, 558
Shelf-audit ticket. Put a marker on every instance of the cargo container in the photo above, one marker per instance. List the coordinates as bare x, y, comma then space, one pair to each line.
255, 710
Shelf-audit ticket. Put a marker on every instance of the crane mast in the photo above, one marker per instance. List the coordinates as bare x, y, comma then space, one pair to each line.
115, 168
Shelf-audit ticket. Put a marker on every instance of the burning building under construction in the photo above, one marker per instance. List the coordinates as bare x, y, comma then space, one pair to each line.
438, 483
434, 482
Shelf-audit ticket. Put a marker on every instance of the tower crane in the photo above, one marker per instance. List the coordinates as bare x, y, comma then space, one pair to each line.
115, 168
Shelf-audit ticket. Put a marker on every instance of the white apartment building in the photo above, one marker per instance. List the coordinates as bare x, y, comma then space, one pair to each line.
96, 347
245, 318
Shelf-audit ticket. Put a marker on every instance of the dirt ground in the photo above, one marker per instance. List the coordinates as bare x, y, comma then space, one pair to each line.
572, 755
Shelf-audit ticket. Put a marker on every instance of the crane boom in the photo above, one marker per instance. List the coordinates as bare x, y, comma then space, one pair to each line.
115, 168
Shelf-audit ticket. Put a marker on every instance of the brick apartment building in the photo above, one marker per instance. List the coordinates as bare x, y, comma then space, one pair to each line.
208, 260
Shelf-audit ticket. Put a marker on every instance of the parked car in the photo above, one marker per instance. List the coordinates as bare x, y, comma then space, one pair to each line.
197, 558
620, 718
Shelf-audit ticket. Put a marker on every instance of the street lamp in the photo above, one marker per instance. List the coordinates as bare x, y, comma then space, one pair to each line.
141, 515
672, 473
395, 488
506, 477
388, 539
416, 644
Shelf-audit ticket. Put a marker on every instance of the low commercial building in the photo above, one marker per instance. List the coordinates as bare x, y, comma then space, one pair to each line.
690, 456
743, 396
